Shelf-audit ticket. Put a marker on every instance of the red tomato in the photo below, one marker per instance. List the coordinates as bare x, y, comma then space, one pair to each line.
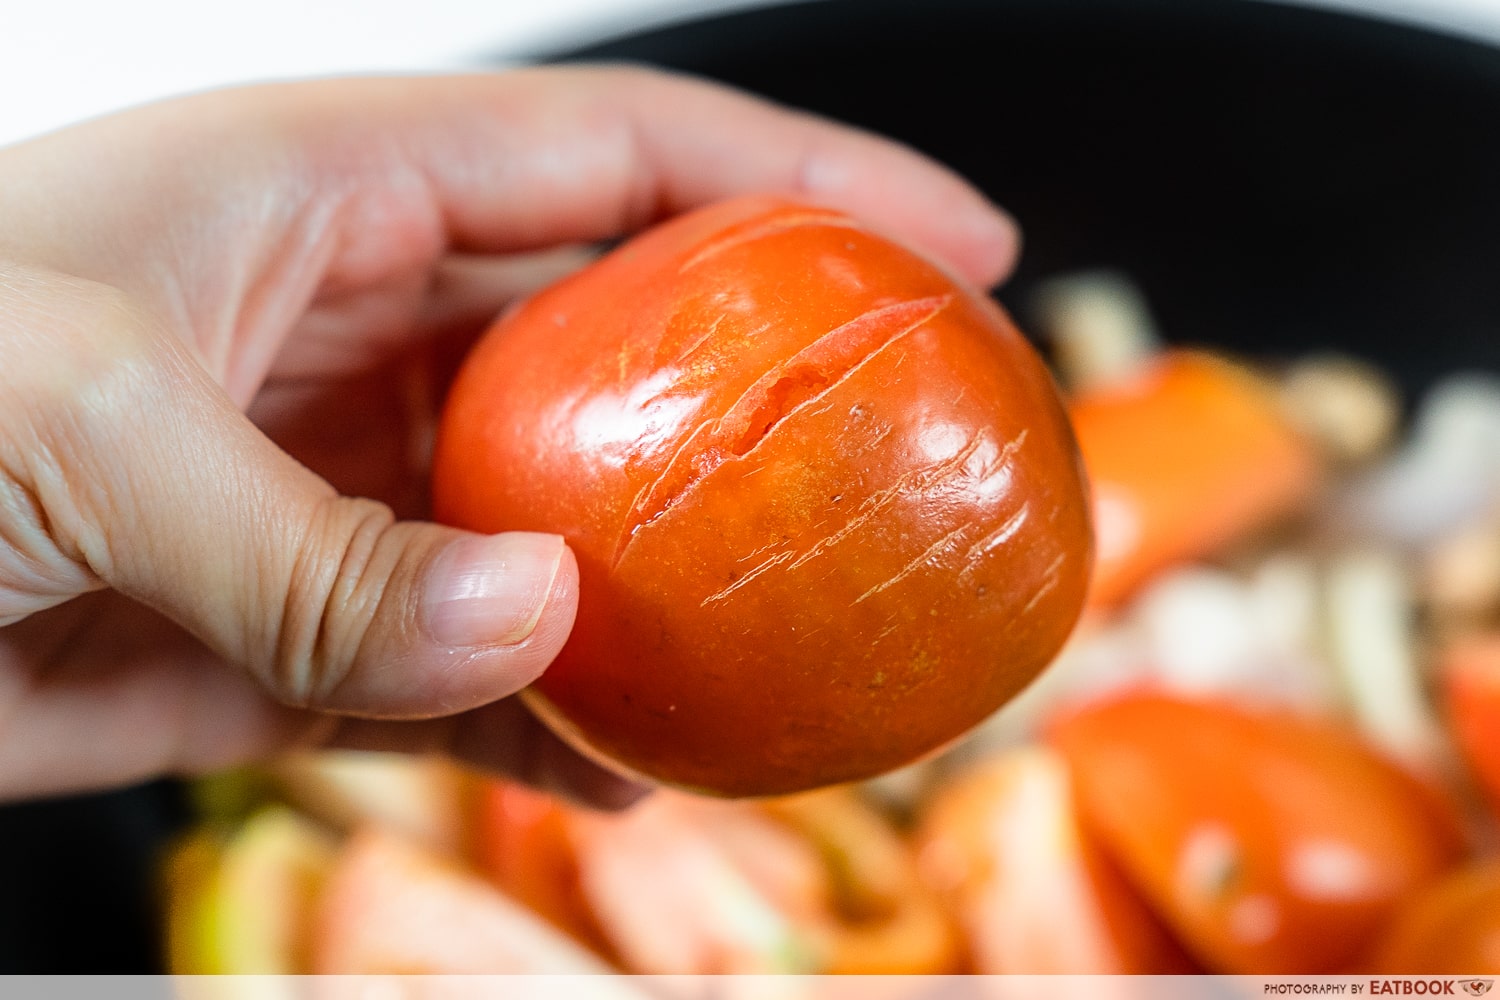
826, 504
1185, 459
1470, 677
884, 920
816, 883
1002, 844
682, 885
1451, 927
392, 907
522, 841
1270, 843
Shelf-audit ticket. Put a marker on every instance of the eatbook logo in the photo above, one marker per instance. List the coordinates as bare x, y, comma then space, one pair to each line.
1477, 987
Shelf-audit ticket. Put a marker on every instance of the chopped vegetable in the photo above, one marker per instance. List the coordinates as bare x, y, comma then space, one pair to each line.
1099, 326
1452, 927
1002, 844
1469, 673
394, 907
1243, 760
1271, 842
1348, 406
240, 901
1370, 620
1184, 460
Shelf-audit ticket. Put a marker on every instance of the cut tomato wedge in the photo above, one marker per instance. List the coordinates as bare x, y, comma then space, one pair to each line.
392, 907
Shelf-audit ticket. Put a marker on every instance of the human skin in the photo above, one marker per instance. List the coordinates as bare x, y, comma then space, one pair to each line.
226, 322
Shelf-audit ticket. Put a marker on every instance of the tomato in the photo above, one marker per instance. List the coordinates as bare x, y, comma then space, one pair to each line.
1270, 843
815, 883
1186, 457
883, 919
1002, 844
683, 886
393, 907
523, 843
1470, 678
826, 504
1451, 927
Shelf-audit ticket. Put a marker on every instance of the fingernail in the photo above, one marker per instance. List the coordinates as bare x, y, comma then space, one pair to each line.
490, 590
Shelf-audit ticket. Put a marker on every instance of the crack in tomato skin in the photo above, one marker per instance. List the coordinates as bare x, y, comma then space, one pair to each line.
773, 227
749, 575
945, 473
810, 375
996, 538
924, 559
790, 391
1050, 579
916, 483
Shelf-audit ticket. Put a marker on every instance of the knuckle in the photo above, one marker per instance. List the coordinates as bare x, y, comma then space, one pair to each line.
340, 581
344, 601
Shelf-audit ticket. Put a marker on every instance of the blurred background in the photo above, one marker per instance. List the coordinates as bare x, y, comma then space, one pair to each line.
72, 59
1270, 179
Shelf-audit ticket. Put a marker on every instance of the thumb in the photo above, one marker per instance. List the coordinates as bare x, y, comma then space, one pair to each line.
148, 479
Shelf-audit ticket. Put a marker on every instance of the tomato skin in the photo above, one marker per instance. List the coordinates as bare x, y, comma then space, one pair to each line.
826, 505
1270, 843
1452, 927
1470, 679
1186, 458
1002, 844
393, 907
681, 884
885, 920
523, 844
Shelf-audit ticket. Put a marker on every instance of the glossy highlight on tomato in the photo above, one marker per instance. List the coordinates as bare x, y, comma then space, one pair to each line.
826, 504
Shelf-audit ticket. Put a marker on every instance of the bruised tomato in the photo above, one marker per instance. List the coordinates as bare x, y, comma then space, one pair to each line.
826, 505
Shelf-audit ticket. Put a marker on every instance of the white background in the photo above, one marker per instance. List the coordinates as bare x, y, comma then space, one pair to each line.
64, 60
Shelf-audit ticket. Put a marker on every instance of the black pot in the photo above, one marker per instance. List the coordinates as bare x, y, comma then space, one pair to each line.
1277, 180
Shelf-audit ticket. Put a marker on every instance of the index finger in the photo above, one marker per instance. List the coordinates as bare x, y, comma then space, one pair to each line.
602, 152
538, 157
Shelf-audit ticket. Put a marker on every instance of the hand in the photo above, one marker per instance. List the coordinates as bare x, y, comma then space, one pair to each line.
225, 324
